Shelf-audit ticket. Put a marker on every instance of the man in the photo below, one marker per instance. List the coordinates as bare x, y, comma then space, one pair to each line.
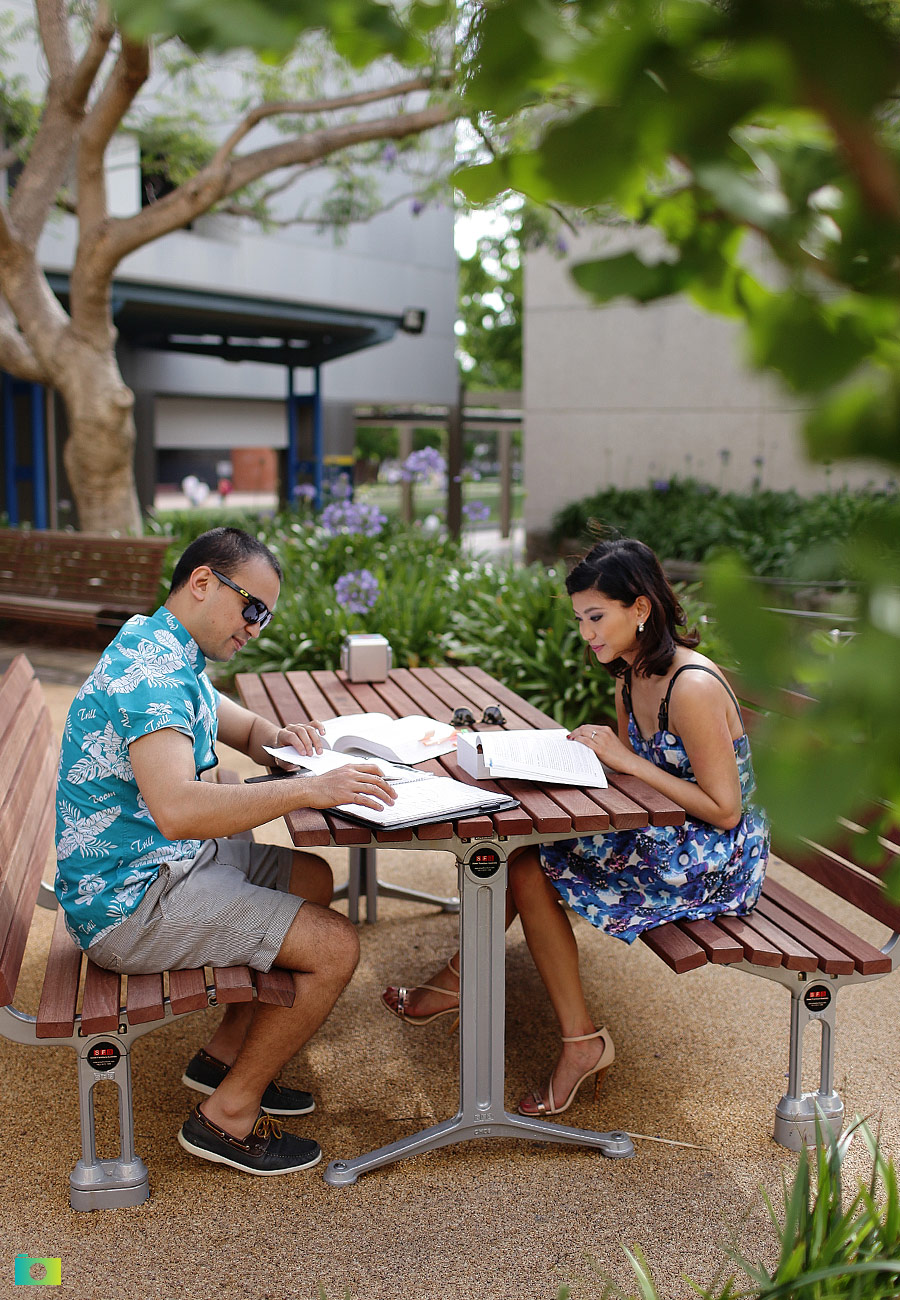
145, 876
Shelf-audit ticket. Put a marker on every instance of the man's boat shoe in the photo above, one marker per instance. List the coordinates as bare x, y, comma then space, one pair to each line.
205, 1073
266, 1150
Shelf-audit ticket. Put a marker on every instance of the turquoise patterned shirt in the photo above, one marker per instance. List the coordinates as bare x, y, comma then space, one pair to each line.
108, 847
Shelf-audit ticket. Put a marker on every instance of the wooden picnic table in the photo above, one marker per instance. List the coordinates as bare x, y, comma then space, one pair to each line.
481, 845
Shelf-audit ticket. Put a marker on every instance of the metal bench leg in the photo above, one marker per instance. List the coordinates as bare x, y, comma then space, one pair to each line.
362, 879
96, 1184
796, 1112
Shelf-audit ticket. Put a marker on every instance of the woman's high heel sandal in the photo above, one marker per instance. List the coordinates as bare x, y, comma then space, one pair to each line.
607, 1056
399, 1008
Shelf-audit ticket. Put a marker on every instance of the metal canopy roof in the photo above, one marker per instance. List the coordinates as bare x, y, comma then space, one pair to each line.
236, 328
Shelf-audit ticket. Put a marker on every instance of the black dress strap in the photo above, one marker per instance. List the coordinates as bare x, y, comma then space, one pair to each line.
664, 706
626, 689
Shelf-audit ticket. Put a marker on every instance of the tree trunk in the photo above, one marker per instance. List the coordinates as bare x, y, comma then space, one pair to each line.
99, 449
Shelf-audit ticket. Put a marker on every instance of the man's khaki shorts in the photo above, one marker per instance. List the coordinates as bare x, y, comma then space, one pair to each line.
228, 906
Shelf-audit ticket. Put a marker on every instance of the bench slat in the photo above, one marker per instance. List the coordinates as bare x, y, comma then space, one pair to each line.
13, 947
101, 1002
843, 879
275, 987
59, 996
869, 960
233, 983
757, 950
720, 948
676, 948
794, 955
831, 960
187, 991
28, 817
144, 1001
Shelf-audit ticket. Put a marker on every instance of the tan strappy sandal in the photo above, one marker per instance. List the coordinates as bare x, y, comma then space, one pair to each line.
607, 1056
399, 1009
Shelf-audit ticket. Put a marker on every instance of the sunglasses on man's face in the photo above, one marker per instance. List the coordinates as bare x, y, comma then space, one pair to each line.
463, 717
255, 611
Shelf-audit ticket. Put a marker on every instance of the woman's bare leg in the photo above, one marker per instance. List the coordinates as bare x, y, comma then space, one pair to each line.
548, 933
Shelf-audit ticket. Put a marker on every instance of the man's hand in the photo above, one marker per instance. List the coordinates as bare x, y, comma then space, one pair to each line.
304, 736
360, 783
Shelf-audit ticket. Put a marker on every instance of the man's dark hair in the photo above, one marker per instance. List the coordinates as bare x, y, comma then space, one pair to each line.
623, 569
225, 549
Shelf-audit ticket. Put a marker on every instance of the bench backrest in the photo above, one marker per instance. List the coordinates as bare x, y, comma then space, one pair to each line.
28, 762
837, 864
122, 572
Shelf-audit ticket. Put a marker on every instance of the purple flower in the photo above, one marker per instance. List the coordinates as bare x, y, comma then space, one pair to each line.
420, 465
340, 488
389, 154
353, 517
305, 492
561, 246
357, 591
476, 510
416, 207
660, 485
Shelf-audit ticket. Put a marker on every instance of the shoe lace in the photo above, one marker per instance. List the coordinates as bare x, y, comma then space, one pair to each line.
267, 1126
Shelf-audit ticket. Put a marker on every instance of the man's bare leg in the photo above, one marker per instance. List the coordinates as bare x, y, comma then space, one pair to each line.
311, 879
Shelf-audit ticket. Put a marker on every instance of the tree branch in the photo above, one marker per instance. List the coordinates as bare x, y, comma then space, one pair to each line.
67, 91
16, 357
128, 75
299, 108
212, 184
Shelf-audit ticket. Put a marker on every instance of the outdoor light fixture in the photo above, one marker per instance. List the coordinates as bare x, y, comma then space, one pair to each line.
413, 320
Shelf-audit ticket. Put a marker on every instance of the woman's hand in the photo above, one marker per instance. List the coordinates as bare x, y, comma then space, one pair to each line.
605, 744
304, 736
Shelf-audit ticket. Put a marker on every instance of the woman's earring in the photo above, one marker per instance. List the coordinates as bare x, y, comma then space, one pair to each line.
640, 627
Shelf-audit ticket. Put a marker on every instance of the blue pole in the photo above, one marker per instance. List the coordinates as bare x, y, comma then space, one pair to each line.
318, 437
39, 455
9, 451
291, 468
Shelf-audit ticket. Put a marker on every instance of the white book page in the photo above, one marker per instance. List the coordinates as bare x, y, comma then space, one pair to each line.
543, 754
422, 800
329, 759
412, 739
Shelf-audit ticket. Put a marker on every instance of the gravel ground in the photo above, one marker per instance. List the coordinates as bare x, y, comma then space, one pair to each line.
700, 1059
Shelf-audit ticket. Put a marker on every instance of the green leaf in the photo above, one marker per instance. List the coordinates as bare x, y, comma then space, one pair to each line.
626, 276
860, 419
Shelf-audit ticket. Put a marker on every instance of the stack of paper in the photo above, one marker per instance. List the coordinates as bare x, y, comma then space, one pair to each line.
529, 756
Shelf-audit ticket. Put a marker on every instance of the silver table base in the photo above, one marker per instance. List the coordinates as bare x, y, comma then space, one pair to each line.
482, 1113
362, 880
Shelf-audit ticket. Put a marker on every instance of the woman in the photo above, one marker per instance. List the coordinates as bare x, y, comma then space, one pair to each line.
679, 729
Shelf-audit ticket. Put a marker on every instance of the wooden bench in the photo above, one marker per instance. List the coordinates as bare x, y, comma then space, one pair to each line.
78, 579
787, 939
95, 1012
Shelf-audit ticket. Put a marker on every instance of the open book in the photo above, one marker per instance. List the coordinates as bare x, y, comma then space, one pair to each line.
421, 796
413, 739
529, 756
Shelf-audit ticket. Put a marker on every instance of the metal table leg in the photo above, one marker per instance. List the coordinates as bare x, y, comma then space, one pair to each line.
482, 1067
362, 879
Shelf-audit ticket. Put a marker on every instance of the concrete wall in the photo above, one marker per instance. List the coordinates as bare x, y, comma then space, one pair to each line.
623, 395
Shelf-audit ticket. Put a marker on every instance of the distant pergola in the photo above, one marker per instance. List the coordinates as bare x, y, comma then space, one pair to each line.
234, 327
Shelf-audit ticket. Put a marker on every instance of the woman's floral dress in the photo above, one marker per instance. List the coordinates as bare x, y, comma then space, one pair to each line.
626, 882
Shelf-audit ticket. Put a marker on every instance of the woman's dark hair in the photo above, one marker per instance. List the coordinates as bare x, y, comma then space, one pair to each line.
623, 569
225, 549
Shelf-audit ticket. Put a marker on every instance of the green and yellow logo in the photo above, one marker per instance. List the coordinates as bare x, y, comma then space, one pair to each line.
38, 1272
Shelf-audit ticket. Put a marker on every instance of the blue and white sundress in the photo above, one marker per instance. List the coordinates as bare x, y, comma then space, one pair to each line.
625, 882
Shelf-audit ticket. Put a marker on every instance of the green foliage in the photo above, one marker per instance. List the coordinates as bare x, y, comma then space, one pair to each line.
362, 31
490, 309
776, 534
827, 1251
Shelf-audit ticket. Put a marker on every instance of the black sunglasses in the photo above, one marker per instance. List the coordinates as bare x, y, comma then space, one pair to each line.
463, 717
255, 611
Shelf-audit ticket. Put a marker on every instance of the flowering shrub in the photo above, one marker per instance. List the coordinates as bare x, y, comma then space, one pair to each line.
475, 511
421, 465
357, 591
352, 517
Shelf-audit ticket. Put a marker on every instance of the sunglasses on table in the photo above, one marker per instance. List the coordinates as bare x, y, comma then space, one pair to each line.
255, 611
464, 717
